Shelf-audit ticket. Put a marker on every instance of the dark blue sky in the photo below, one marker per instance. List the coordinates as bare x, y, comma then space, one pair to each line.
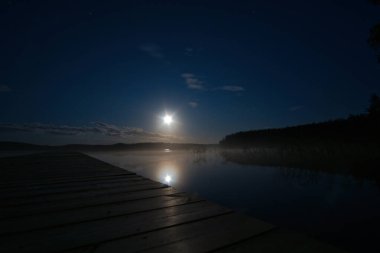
80, 71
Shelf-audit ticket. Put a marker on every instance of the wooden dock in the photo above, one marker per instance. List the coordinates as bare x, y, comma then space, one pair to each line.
70, 202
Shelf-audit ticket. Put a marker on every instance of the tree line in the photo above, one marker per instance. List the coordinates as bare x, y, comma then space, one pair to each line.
360, 129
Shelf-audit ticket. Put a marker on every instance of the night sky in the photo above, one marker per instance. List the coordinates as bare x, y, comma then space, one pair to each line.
107, 71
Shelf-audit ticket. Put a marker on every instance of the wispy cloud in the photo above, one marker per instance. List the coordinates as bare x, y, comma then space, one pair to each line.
99, 128
296, 108
189, 51
193, 104
193, 82
152, 50
4, 88
232, 88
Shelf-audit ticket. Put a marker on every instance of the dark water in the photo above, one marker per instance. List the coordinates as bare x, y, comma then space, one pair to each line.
335, 208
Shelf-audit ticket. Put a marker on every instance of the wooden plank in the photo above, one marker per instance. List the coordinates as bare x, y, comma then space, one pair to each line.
281, 240
47, 182
38, 178
80, 194
53, 176
29, 223
201, 236
96, 185
87, 233
80, 202
56, 202
45, 187
52, 165
46, 163
87, 249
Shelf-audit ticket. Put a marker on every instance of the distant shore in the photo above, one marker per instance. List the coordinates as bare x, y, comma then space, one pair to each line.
17, 146
348, 146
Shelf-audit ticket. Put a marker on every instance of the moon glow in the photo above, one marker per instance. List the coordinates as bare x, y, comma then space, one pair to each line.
168, 119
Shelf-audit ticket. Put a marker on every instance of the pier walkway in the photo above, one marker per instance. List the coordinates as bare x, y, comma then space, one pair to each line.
70, 202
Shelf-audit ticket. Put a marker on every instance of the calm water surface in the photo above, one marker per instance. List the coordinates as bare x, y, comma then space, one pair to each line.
335, 208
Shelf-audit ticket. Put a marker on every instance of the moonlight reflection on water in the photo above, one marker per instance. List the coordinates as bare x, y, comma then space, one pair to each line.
168, 179
167, 172
334, 208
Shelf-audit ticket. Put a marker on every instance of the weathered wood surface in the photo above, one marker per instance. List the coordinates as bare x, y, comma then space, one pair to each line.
70, 202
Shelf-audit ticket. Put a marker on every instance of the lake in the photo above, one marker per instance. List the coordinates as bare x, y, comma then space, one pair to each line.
339, 209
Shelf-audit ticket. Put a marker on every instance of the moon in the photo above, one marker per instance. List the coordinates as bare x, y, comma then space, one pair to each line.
168, 119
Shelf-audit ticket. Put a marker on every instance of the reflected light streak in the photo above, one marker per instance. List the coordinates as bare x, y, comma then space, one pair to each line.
168, 179
168, 172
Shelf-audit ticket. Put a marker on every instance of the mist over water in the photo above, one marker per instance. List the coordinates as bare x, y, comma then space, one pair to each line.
340, 209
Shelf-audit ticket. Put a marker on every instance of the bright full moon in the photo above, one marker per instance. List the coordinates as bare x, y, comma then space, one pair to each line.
168, 119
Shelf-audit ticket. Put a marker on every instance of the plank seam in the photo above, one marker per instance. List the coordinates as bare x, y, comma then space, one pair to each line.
87, 206
244, 240
78, 180
149, 231
59, 200
98, 219
74, 189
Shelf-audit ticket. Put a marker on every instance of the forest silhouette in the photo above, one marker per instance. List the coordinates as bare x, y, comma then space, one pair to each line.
356, 129
350, 145
374, 38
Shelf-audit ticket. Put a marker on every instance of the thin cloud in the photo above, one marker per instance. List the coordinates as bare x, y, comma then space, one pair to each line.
48, 128
193, 104
189, 51
193, 82
4, 88
99, 128
296, 108
232, 88
152, 50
